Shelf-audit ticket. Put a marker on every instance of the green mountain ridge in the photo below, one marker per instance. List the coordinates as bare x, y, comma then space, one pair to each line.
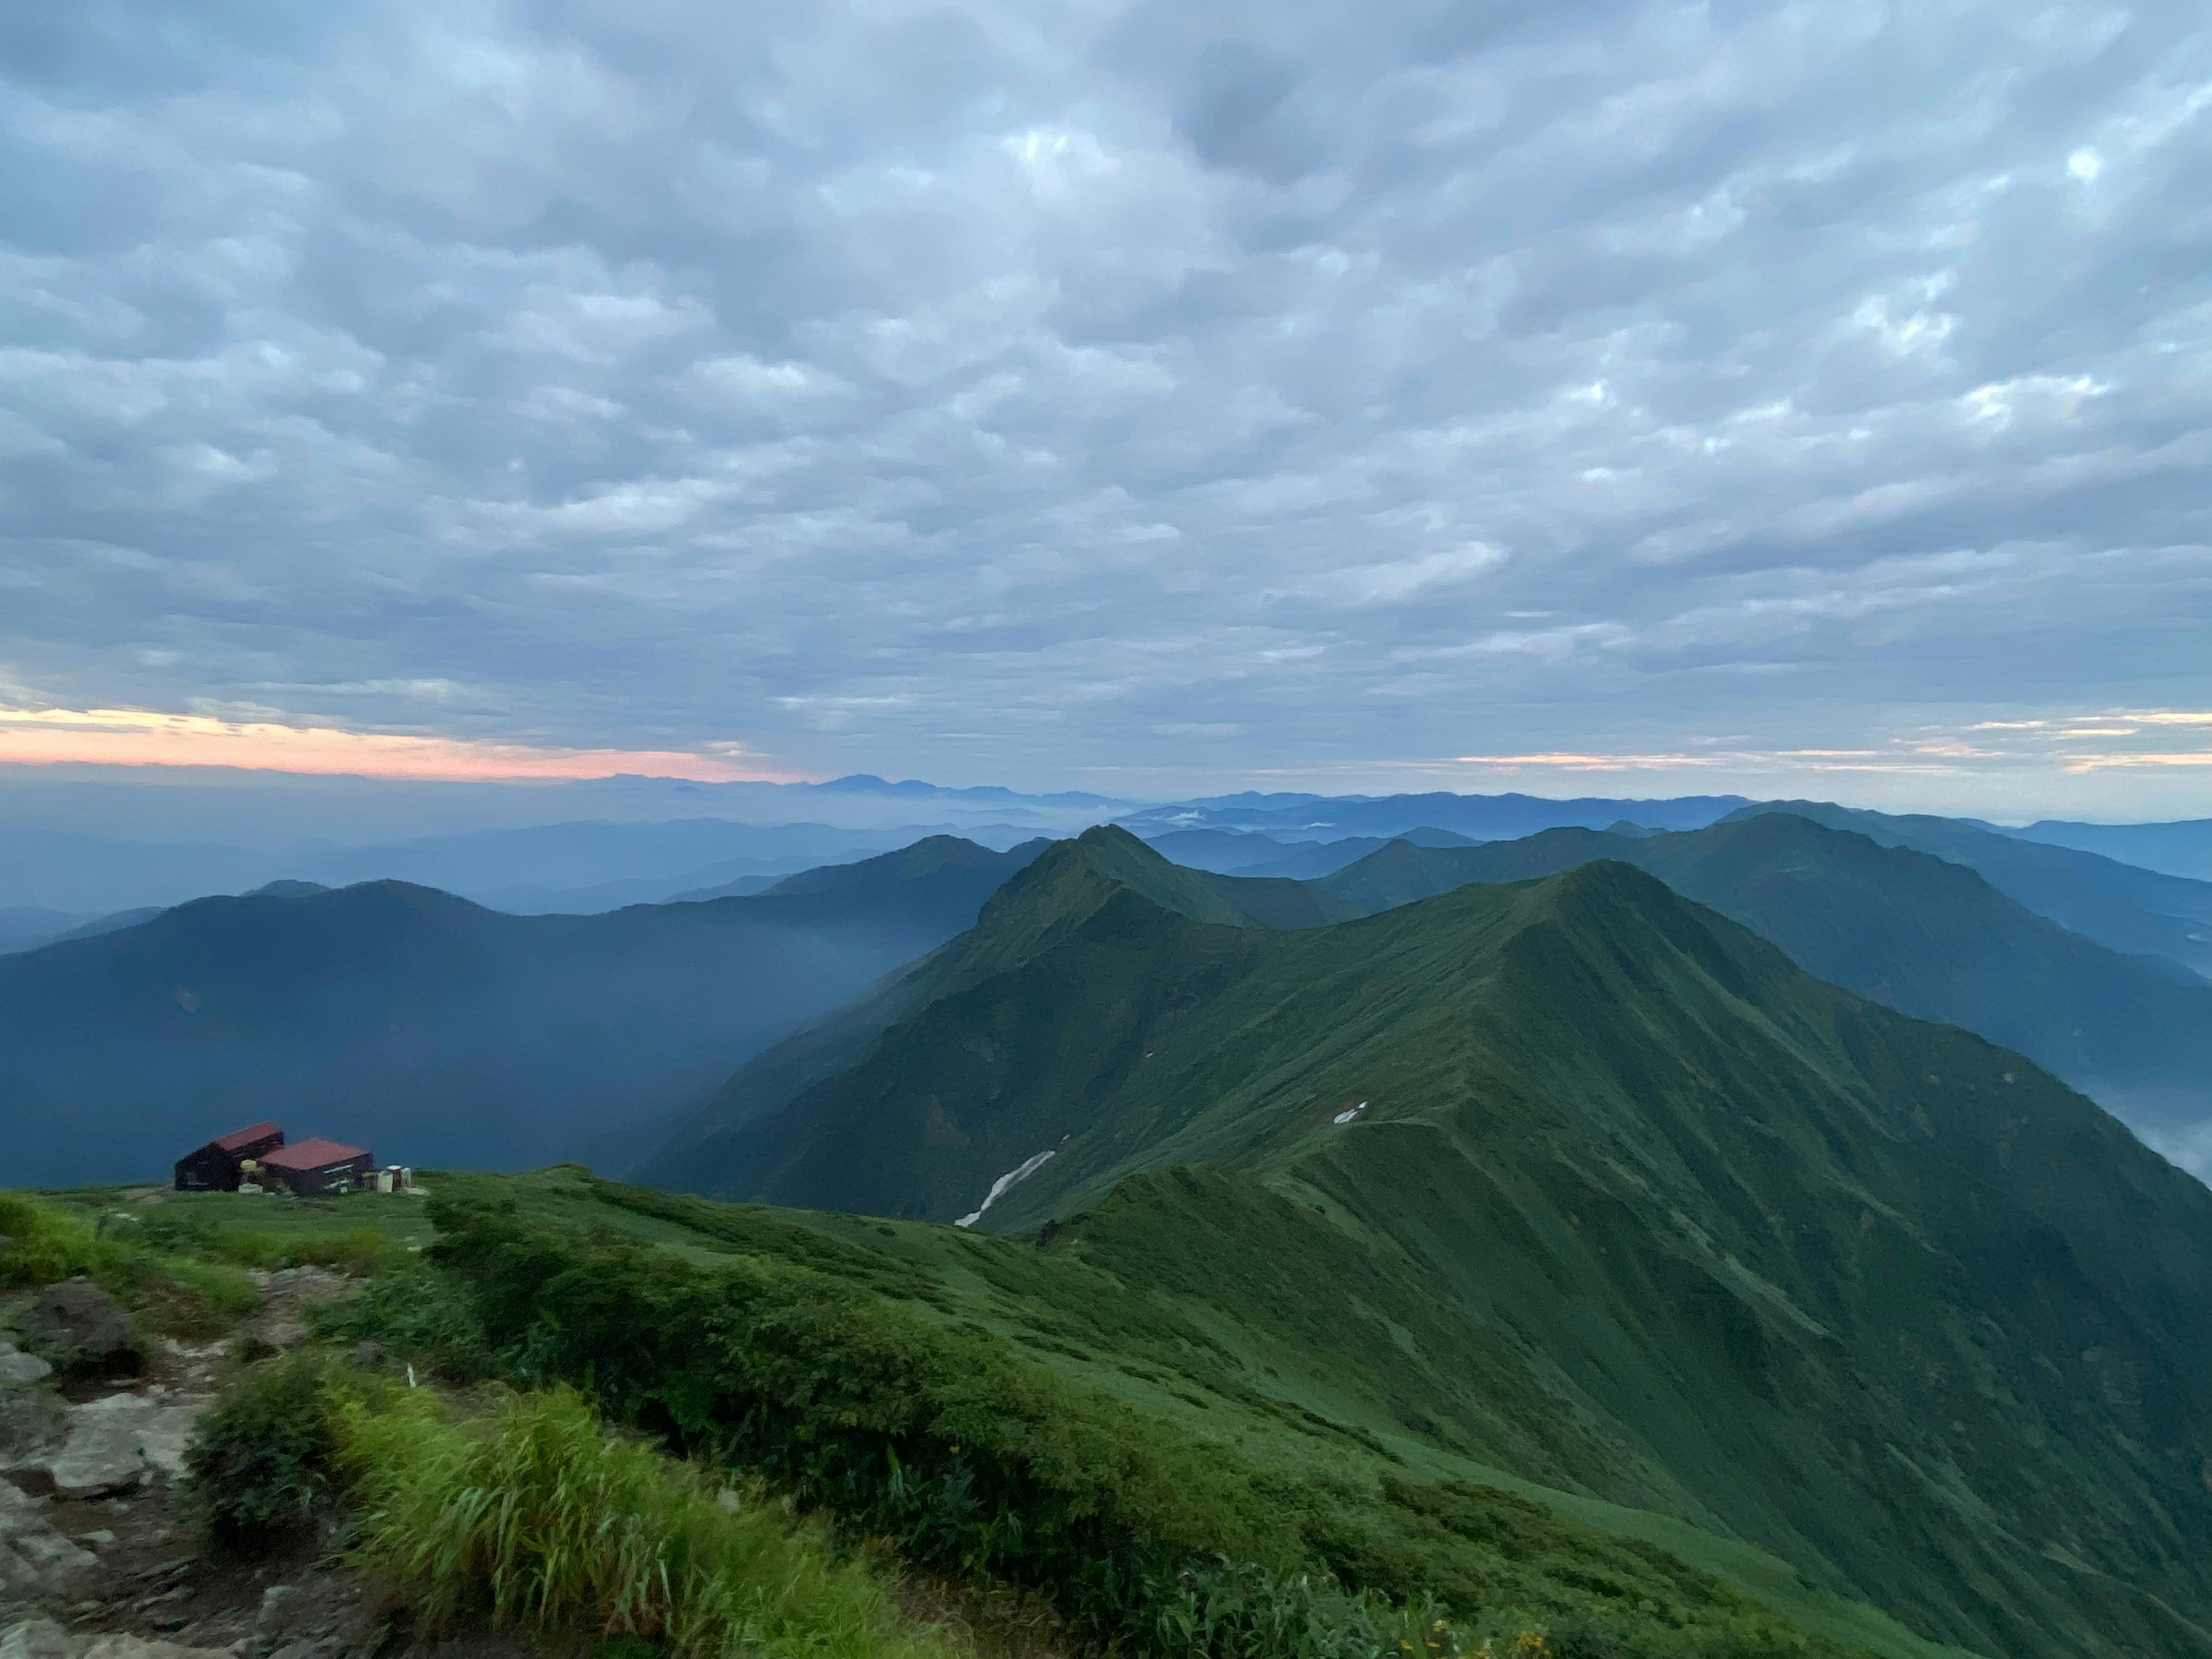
1926, 936
1627, 1208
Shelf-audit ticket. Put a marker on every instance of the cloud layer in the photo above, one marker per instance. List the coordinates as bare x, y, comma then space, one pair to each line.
1092, 394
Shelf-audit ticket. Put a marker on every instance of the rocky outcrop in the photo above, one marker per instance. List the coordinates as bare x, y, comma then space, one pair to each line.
17, 1367
120, 1442
77, 1324
42, 1639
37, 1564
34, 1423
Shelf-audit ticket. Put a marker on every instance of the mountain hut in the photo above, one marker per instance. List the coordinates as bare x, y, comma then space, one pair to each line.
316, 1168
215, 1167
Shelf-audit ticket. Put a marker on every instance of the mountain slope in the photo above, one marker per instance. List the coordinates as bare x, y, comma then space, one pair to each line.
717, 1150
1930, 937
2123, 908
26, 926
1625, 1204
428, 1029
2174, 849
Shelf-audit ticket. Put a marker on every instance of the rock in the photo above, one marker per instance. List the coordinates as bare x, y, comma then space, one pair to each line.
32, 1422
36, 1562
284, 1610
134, 1647
18, 1367
51, 1555
98, 1538
39, 1638
116, 1443
80, 1325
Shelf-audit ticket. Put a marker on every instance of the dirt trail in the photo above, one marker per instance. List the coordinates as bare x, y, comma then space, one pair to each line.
98, 1559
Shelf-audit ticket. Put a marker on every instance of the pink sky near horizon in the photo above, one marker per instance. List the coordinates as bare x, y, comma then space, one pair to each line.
123, 737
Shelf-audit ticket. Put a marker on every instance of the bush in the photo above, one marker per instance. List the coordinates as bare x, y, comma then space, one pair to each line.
415, 1314
174, 1290
359, 1251
1227, 1610
45, 1243
541, 1517
265, 1458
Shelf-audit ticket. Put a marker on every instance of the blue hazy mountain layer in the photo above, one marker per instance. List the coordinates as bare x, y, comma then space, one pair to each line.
430, 1030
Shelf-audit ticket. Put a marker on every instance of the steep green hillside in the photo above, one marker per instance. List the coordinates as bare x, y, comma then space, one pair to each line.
1927, 937
717, 1150
1634, 1209
1077, 1421
431, 1030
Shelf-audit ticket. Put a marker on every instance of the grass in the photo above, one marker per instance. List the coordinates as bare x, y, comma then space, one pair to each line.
875, 1372
174, 1293
533, 1514
1240, 1321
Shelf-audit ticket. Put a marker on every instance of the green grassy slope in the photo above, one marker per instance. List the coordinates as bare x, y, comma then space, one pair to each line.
717, 1150
1118, 1310
1928, 937
1635, 1209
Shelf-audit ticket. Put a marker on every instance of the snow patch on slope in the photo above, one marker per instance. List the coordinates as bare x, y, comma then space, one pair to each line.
998, 1187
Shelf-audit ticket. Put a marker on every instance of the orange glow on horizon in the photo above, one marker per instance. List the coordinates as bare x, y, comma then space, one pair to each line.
129, 736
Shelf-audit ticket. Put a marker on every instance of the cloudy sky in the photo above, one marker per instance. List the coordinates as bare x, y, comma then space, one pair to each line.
1574, 397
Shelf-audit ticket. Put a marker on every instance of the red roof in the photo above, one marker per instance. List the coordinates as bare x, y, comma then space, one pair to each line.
237, 1140
314, 1154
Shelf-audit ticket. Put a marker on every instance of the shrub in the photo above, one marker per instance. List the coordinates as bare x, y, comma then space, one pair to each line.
416, 1314
264, 1459
45, 1243
148, 1264
1228, 1610
360, 1251
541, 1517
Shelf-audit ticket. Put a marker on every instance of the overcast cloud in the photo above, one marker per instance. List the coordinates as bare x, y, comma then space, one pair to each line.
1101, 396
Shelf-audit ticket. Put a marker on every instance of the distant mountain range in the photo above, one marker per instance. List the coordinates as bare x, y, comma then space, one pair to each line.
1479, 817
438, 1032
2172, 849
2119, 905
1582, 1181
577, 868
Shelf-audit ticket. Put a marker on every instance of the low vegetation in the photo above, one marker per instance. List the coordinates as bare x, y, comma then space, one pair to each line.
173, 1291
842, 1385
265, 1460
532, 1513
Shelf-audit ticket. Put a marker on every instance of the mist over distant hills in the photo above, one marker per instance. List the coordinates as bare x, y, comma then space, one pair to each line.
2172, 849
430, 1029
1480, 818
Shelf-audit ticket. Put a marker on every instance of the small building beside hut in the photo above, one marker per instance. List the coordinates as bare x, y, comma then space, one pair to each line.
317, 1168
216, 1166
